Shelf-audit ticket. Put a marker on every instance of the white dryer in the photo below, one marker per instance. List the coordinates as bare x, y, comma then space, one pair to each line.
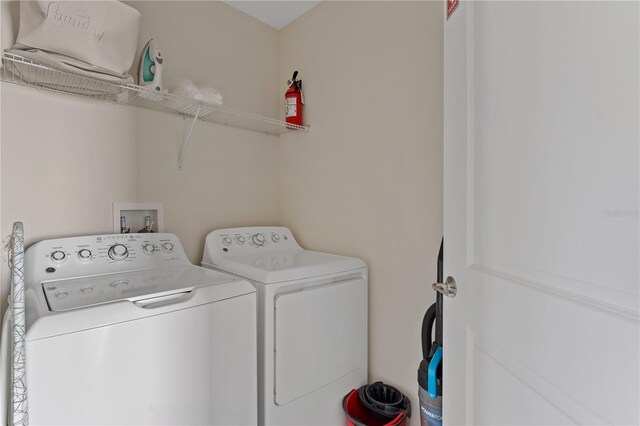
312, 322
123, 329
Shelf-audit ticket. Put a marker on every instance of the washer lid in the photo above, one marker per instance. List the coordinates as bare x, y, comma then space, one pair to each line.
286, 266
76, 293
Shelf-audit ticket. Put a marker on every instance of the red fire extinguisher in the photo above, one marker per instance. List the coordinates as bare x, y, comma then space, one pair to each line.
294, 99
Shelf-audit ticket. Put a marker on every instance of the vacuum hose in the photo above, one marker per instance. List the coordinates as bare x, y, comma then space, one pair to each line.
427, 329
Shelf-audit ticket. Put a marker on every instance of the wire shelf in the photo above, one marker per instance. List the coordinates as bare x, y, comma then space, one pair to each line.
19, 70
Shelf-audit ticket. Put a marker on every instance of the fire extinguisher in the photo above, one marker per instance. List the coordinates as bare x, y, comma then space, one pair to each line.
294, 99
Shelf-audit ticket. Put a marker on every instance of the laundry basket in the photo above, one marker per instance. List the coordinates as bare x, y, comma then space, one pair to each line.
96, 39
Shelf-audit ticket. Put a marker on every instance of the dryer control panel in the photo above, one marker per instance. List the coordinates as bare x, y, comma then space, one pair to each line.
251, 241
101, 254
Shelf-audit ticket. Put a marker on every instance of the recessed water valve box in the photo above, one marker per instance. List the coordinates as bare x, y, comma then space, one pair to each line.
132, 217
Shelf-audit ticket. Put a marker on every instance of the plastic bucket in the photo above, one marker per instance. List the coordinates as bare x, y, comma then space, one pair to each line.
358, 415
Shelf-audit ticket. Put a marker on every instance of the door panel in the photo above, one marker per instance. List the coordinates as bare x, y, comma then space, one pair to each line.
501, 386
320, 336
545, 91
541, 213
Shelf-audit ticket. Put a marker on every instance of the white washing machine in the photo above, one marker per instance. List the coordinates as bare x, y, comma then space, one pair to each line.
312, 322
123, 329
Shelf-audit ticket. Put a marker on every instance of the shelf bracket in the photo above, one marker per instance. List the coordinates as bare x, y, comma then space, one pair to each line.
185, 145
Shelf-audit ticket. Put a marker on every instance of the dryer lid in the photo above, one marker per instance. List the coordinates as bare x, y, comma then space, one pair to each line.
284, 266
63, 295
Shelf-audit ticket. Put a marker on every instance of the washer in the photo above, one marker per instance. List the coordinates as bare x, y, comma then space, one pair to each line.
312, 322
123, 329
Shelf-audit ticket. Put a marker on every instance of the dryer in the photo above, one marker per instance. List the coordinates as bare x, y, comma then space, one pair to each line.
123, 329
312, 322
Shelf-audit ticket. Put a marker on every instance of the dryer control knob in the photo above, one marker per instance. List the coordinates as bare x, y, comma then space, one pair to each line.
275, 237
58, 255
167, 247
227, 241
118, 252
240, 239
148, 248
84, 254
258, 239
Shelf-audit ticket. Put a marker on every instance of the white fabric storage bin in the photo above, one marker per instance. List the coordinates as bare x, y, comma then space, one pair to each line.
101, 33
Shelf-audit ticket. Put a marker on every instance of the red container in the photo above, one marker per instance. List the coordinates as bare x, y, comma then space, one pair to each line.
358, 415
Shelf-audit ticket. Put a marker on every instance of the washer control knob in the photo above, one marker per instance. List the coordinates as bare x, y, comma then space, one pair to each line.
258, 239
227, 241
58, 255
119, 283
275, 237
84, 254
167, 247
118, 252
240, 239
148, 248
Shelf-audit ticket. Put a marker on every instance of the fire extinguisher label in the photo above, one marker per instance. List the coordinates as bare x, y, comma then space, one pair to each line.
292, 108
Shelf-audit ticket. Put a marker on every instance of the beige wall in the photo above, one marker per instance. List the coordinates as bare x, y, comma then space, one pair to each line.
367, 180
229, 176
64, 160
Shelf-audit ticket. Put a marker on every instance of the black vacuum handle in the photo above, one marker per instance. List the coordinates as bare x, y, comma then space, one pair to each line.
440, 261
427, 328
433, 314
439, 296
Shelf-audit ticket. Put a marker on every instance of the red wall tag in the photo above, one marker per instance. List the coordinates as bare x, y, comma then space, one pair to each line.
452, 5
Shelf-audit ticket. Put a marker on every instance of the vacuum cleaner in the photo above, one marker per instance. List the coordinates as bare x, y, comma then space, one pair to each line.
430, 368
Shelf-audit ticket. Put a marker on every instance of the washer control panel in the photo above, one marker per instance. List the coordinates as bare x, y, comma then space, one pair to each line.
253, 240
81, 256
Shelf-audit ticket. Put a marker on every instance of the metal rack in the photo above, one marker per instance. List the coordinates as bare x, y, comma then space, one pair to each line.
19, 70
17, 409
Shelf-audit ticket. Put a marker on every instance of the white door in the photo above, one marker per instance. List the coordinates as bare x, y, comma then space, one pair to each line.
541, 213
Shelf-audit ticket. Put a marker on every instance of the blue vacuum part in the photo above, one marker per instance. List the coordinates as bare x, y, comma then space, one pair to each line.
432, 379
